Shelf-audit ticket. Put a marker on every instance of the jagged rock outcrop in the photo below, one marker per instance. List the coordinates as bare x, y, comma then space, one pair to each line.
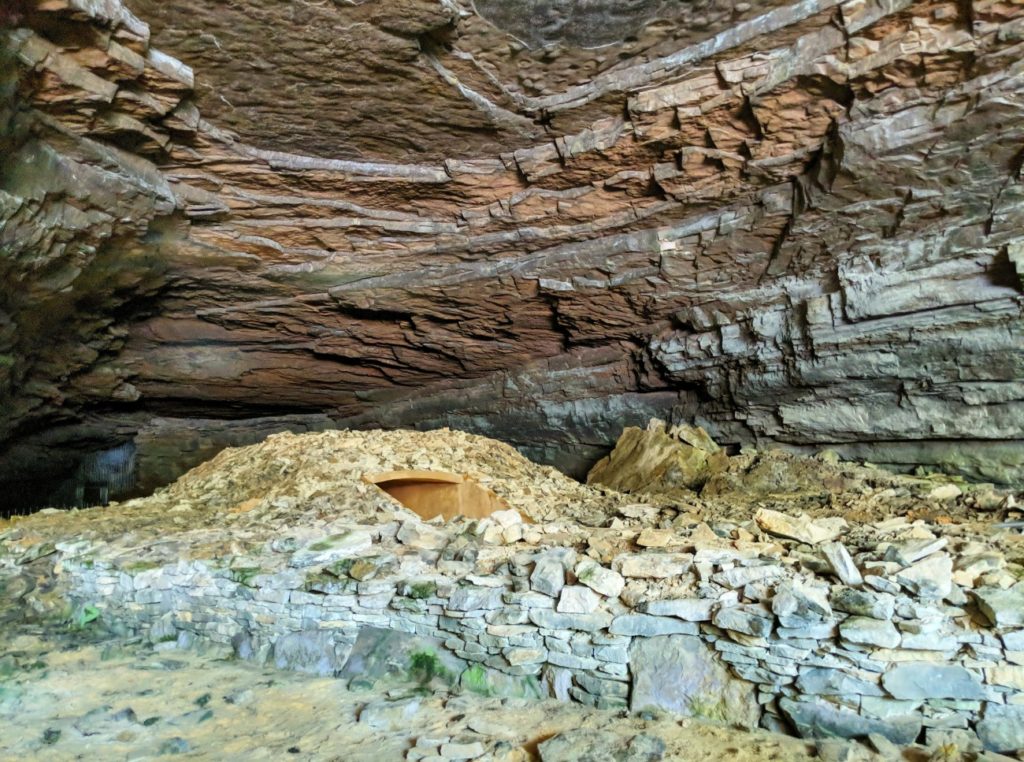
790, 223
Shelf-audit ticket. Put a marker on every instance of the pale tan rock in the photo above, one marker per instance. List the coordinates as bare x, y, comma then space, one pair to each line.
657, 538
653, 565
802, 529
945, 492
1007, 676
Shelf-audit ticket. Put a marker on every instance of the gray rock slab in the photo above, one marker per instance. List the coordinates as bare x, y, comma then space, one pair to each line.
872, 632
552, 620
930, 578
390, 656
475, 598
797, 603
749, 620
647, 626
1002, 729
864, 603
820, 719
924, 680
690, 609
312, 651
834, 682
1004, 608
842, 564
679, 673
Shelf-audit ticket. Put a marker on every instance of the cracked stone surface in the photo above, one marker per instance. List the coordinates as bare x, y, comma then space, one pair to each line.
538, 220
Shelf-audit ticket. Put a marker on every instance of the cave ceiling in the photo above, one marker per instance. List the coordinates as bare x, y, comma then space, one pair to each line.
794, 223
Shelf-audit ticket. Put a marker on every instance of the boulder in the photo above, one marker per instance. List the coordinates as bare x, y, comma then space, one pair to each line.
311, 651
680, 674
656, 461
820, 719
380, 655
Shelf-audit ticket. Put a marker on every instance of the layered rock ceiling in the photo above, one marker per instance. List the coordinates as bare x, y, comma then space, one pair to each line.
536, 219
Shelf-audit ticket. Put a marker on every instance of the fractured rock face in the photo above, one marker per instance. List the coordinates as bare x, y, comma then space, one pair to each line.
542, 220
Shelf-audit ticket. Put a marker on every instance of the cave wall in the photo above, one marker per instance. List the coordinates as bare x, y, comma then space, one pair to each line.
796, 224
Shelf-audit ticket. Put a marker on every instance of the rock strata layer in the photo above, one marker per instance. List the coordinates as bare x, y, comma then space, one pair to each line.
794, 223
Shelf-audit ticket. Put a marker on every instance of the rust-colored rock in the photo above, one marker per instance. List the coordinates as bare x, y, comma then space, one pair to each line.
790, 223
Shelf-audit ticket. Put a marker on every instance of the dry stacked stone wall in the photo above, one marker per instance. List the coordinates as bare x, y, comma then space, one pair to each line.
895, 629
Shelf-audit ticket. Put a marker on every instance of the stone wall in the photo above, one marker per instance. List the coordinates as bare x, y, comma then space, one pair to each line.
913, 631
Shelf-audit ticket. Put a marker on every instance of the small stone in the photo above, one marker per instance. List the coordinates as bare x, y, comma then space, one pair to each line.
884, 746
600, 687
416, 534
883, 708
599, 579
907, 552
551, 620
811, 632
834, 682
922, 680
842, 564
475, 599
648, 626
176, 745
930, 578
690, 609
507, 518
1008, 676
548, 576
744, 575
801, 529
881, 584
1013, 641
657, 538
654, 565
577, 599
334, 547
872, 632
519, 656
797, 603
945, 492
362, 570
462, 750
750, 620
864, 603
1003, 608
